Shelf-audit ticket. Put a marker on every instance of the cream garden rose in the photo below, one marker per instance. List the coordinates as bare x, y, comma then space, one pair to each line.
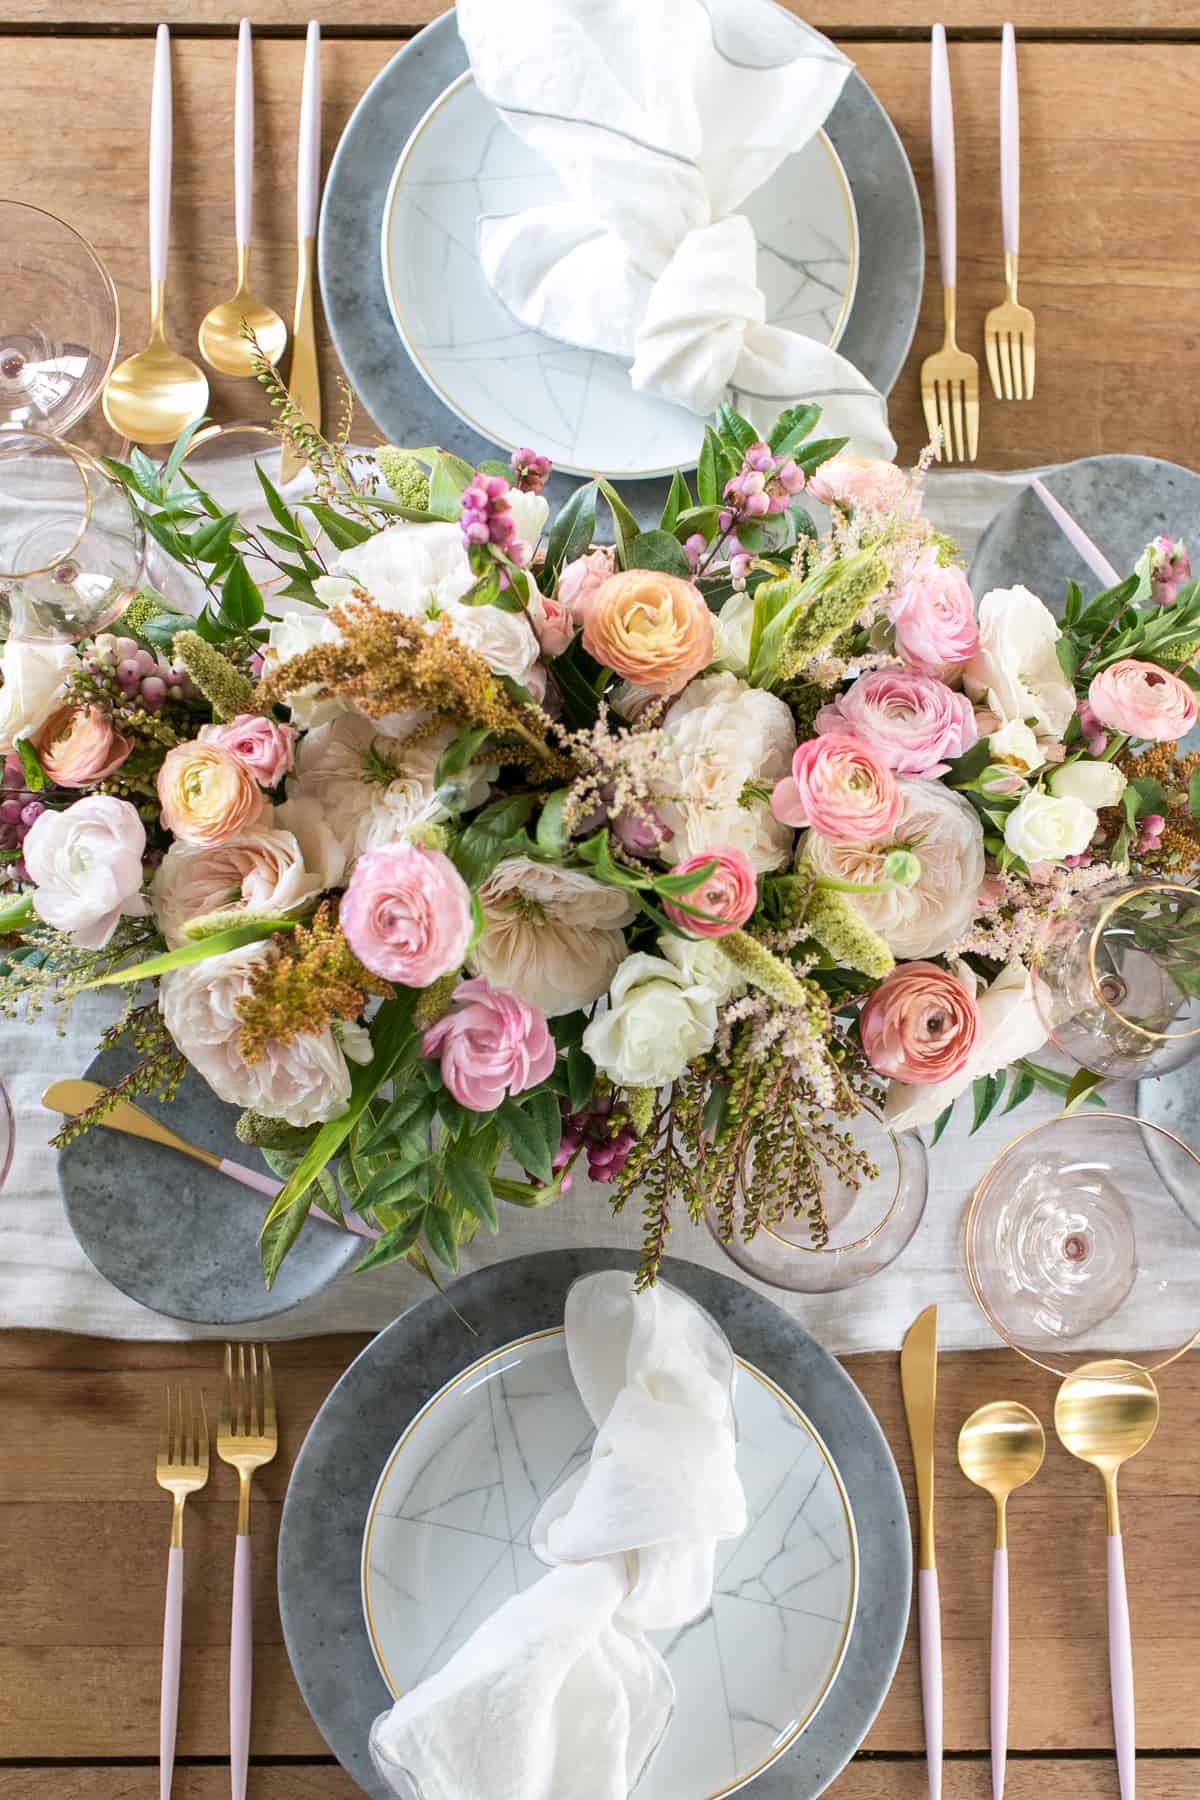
655, 1024
551, 936
33, 685
261, 873
1016, 668
724, 746
1045, 828
1097, 784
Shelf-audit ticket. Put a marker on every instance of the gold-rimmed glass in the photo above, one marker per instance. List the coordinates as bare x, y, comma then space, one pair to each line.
870, 1220
59, 321
1118, 979
72, 550
1083, 1237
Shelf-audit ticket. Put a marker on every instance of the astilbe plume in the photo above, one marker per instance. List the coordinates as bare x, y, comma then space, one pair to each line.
312, 979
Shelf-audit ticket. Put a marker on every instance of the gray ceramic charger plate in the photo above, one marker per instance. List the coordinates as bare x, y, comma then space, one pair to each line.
1122, 502
352, 1437
174, 1235
878, 332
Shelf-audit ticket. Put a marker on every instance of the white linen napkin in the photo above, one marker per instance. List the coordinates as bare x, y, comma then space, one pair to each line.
559, 1695
660, 120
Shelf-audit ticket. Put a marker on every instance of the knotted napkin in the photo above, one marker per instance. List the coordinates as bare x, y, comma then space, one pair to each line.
660, 120
559, 1695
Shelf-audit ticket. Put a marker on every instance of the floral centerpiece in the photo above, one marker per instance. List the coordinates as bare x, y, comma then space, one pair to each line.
500, 851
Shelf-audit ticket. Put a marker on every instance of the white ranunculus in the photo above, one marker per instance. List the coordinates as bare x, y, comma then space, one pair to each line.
410, 569
1010, 1027
1042, 828
1016, 745
943, 831
1016, 668
655, 1024
718, 737
530, 513
260, 872
702, 963
504, 640
86, 867
552, 936
304, 1081
733, 627
1097, 784
289, 637
33, 680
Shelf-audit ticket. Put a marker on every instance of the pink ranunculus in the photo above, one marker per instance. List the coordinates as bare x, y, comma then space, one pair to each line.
407, 914
934, 617
863, 483
553, 622
841, 788
1143, 700
920, 1024
916, 723
728, 896
582, 579
262, 745
491, 1045
78, 746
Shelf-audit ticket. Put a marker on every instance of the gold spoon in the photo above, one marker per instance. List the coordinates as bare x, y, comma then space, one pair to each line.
153, 396
221, 342
1000, 1448
1105, 1413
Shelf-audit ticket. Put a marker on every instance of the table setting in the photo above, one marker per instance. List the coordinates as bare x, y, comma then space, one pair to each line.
541, 831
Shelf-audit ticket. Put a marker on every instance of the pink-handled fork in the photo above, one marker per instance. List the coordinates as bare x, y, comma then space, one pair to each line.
182, 1469
247, 1437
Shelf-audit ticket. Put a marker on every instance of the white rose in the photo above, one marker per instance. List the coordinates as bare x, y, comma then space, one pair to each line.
261, 873
304, 1081
33, 680
1097, 784
1044, 829
720, 735
291, 636
86, 867
505, 640
945, 835
410, 569
1016, 745
551, 936
733, 627
702, 963
1010, 1027
1016, 667
654, 1026
530, 513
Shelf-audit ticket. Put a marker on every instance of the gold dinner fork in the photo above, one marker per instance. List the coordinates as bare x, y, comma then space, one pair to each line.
247, 1437
950, 377
1008, 328
182, 1469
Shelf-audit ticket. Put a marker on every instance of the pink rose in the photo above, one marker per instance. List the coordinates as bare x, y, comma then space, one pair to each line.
580, 581
862, 482
729, 895
553, 622
407, 914
1143, 700
490, 1045
915, 722
920, 1024
841, 788
77, 746
264, 747
934, 616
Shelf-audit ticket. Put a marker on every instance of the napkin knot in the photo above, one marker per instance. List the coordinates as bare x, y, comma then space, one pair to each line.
693, 331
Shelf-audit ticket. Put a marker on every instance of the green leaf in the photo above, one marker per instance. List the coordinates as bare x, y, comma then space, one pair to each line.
212, 539
472, 1189
708, 470
35, 775
161, 629
1020, 1090
940, 1123
216, 945
178, 451
1071, 611
703, 519
1068, 656
411, 1110
678, 500
1081, 1085
447, 479
625, 526
985, 1091
277, 505
1193, 793
147, 477
278, 1237
1149, 794
659, 550
573, 530
581, 1077
343, 533
16, 913
792, 427
819, 451
482, 845
460, 751
392, 1245
547, 1114
969, 766
1054, 1080
441, 1235
241, 601
673, 886
525, 1139
551, 833
733, 429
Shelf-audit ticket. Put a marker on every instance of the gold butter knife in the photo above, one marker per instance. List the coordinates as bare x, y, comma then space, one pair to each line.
918, 1383
304, 381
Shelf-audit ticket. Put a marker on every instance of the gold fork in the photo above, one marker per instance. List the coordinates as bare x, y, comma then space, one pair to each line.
182, 1469
247, 1437
1008, 328
950, 377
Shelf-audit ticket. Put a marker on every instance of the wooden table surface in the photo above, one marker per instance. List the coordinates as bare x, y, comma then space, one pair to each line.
1111, 265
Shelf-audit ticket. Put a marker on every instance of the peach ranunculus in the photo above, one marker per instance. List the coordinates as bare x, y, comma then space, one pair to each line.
1143, 700
920, 1024
207, 794
78, 746
653, 629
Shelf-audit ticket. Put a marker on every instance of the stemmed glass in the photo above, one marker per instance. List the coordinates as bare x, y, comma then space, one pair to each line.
7, 1134
72, 550
59, 321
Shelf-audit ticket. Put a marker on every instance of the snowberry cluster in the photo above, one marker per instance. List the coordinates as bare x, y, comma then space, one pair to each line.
592, 1130
137, 675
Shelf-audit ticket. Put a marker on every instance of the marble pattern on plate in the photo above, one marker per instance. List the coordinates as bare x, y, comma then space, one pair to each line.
576, 405
449, 1542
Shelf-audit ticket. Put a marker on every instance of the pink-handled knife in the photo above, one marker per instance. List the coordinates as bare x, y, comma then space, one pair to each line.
918, 1383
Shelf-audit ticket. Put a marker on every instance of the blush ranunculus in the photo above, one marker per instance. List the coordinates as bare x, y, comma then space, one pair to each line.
1143, 700
490, 1045
582, 580
915, 722
934, 616
653, 629
728, 896
407, 914
264, 746
206, 794
78, 745
86, 867
920, 1024
841, 788
862, 482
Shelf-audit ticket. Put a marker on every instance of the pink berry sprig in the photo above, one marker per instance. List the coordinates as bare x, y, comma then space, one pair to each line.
764, 486
531, 471
488, 526
592, 1132
19, 809
135, 676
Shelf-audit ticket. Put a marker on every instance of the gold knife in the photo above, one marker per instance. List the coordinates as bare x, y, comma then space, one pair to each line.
304, 380
918, 1383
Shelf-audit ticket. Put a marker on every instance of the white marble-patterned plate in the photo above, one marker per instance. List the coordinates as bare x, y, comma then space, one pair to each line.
517, 386
447, 1541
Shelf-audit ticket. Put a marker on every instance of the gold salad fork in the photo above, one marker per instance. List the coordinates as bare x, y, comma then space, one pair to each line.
950, 377
1008, 328
182, 1469
247, 1437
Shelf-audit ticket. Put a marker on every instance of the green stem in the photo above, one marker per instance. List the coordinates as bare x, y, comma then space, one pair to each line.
17, 913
